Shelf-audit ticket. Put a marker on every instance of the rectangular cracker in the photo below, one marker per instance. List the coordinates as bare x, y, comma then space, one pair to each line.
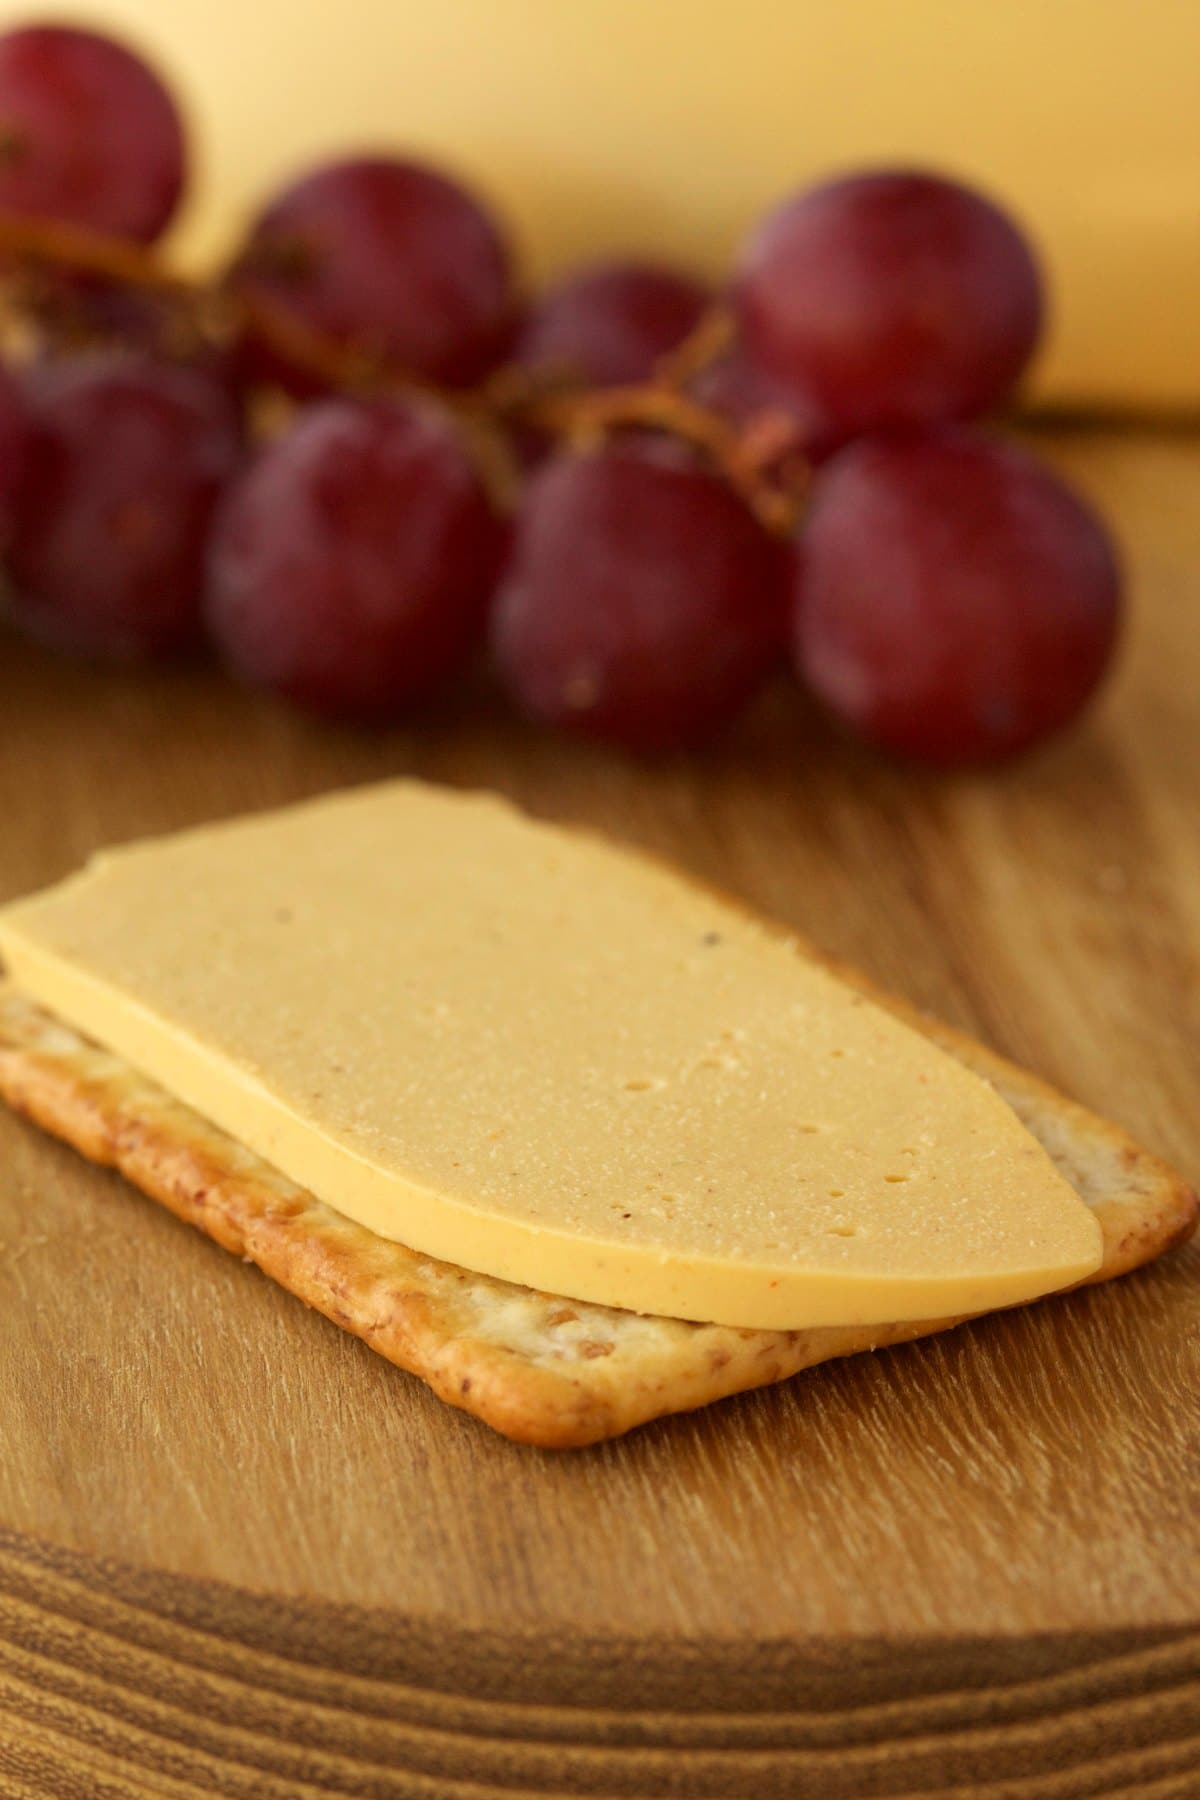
538, 1368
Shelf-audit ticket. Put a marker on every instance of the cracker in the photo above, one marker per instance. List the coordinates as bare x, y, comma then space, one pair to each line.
538, 1368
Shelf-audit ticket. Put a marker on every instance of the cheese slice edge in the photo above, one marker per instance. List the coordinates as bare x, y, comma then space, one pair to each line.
524, 1051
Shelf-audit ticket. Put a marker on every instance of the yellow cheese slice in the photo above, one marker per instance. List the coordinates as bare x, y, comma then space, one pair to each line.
522, 1050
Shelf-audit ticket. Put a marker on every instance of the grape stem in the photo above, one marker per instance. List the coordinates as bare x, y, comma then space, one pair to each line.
761, 458
760, 462
53, 243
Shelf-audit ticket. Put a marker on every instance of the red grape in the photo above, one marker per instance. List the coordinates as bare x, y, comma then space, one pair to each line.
610, 324
88, 134
124, 462
736, 386
14, 437
389, 257
643, 602
78, 313
955, 600
889, 300
351, 566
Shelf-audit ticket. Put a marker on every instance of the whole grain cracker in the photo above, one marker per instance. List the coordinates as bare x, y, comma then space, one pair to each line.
539, 1368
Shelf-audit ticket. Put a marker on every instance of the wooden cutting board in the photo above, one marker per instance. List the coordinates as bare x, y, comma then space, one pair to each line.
240, 1555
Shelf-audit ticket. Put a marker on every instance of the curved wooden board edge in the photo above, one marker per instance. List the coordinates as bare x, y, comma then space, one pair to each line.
111, 1674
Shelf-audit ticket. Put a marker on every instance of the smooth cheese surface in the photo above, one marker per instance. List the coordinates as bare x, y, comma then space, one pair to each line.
523, 1050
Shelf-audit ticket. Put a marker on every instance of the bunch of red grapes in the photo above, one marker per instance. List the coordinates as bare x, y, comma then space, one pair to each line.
941, 592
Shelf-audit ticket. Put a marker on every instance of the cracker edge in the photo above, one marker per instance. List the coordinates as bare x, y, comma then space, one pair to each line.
394, 1299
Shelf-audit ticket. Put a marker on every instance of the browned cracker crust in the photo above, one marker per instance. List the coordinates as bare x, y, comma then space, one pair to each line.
540, 1369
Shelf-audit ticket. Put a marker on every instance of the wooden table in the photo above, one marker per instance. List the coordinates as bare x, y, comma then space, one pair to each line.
240, 1555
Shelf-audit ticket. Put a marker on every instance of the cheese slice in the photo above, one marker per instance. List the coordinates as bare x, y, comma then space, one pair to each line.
519, 1049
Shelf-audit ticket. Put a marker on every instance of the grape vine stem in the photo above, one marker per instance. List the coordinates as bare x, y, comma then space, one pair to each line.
761, 458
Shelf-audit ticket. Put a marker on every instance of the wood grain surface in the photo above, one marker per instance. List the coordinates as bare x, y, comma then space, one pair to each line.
240, 1555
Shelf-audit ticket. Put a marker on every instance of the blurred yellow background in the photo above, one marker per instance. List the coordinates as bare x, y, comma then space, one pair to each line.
663, 126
